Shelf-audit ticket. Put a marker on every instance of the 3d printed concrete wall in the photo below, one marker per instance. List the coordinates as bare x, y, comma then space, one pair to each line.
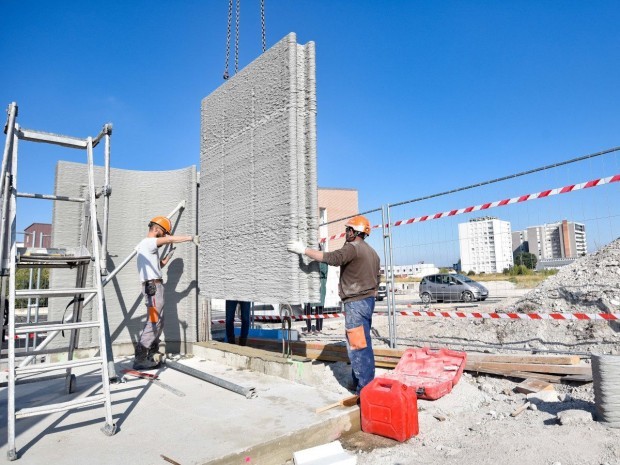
137, 196
258, 186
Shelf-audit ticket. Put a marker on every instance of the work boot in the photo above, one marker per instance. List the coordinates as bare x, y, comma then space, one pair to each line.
243, 341
142, 361
153, 350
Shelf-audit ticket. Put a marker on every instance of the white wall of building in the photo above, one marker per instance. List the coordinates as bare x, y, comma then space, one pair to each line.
485, 245
419, 270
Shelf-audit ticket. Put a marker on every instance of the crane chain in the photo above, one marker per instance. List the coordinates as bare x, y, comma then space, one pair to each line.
262, 24
229, 30
237, 36
230, 5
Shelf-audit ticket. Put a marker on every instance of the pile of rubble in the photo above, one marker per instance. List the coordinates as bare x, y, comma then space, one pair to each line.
589, 285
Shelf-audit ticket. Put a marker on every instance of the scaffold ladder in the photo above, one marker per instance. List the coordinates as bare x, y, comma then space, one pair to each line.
88, 254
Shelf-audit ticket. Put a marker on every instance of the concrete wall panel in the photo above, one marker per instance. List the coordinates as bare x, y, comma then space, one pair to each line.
137, 196
258, 180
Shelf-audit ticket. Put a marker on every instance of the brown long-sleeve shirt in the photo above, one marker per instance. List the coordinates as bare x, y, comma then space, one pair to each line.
359, 270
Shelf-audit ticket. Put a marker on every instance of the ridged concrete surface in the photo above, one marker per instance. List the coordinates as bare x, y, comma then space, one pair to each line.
258, 186
137, 196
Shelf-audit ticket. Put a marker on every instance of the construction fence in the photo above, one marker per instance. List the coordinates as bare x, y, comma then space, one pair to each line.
544, 242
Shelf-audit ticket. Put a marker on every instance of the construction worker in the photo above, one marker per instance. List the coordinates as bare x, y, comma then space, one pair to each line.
359, 279
244, 310
149, 268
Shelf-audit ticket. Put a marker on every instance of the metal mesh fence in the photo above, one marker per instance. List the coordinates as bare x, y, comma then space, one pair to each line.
543, 244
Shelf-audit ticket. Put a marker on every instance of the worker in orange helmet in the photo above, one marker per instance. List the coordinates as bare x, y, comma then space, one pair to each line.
149, 269
359, 280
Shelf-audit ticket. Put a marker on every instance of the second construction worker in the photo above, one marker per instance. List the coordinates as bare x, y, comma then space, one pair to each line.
149, 268
359, 280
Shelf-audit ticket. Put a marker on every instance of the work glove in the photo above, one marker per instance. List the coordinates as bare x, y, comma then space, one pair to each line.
296, 247
196, 240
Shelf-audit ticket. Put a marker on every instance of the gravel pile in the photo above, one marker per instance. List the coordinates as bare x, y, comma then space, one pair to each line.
589, 285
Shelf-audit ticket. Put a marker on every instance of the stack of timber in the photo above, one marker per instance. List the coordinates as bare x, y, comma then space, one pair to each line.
550, 368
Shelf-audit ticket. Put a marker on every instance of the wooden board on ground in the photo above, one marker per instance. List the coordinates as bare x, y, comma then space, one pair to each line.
346, 402
520, 358
531, 385
533, 367
550, 368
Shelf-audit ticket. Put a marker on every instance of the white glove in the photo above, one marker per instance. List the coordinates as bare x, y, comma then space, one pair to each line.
296, 247
196, 240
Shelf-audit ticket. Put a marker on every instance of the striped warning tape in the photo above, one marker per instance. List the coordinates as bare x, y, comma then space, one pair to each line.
517, 316
458, 315
27, 336
498, 203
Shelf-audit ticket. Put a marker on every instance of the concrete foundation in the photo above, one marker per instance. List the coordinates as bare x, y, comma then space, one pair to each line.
207, 425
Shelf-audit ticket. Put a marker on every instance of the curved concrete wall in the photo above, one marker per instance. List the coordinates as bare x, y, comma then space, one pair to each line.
137, 196
258, 186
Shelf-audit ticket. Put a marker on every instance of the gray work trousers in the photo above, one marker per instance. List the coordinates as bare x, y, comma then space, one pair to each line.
154, 317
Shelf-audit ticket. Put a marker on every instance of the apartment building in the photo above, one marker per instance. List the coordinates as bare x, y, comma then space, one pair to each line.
419, 270
485, 245
563, 239
334, 203
38, 235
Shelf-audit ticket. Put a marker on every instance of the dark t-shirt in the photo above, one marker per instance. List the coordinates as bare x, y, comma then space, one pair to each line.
359, 270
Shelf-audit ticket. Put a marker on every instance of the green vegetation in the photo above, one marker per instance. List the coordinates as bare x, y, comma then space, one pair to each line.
526, 259
22, 281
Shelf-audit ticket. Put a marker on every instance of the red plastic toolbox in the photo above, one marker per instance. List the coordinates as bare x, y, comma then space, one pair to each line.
390, 409
432, 372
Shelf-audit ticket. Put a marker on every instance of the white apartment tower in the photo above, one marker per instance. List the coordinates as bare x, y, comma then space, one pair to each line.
564, 239
485, 245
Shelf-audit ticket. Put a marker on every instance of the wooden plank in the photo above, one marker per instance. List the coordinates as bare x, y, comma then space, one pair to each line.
520, 358
531, 385
346, 402
541, 376
533, 367
520, 410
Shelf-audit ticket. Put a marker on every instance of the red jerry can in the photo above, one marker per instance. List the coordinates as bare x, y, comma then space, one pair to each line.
390, 409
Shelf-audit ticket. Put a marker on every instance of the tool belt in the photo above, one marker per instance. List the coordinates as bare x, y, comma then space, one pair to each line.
150, 286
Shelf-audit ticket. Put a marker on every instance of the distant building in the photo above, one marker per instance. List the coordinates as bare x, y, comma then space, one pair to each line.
418, 270
554, 263
334, 204
563, 239
38, 235
485, 245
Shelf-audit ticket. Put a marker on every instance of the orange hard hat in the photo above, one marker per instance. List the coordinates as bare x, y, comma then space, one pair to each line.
162, 222
360, 224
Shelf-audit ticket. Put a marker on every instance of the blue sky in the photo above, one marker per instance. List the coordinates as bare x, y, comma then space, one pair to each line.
414, 97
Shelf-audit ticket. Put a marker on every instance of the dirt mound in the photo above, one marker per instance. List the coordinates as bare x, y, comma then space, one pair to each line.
589, 285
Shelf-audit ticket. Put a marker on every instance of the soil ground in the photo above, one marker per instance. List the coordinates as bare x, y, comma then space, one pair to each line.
473, 423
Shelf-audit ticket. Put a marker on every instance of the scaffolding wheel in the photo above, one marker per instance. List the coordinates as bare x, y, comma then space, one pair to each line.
70, 382
109, 430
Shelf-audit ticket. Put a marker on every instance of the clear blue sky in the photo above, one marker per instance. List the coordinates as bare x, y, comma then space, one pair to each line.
483, 88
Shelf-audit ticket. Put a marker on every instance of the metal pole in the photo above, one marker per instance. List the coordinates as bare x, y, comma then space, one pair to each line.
51, 335
249, 393
7, 157
106, 200
386, 261
391, 251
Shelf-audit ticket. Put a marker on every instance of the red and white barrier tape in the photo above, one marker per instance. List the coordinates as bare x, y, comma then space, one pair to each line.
517, 316
498, 203
27, 336
459, 315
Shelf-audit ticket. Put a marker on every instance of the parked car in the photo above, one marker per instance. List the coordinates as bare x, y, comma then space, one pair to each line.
381, 292
451, 287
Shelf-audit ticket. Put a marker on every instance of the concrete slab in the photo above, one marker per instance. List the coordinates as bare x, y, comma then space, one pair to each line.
208, 425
